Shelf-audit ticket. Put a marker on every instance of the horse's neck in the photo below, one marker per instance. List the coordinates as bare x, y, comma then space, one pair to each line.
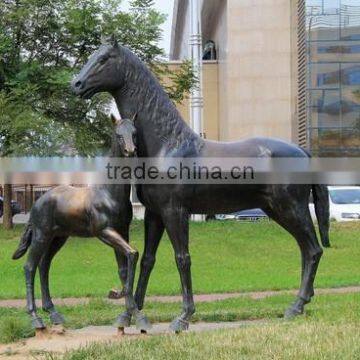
160, 127
117, 191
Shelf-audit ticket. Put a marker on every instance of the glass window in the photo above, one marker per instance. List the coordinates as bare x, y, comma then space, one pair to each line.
345, 196
324, 75
333, 38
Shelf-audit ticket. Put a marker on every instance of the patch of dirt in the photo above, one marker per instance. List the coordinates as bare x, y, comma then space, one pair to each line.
57, 341
20, 303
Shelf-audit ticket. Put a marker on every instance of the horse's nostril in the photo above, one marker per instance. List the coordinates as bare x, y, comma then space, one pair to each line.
78, 84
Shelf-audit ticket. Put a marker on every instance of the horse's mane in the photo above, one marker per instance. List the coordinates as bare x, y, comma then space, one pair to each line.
160, 110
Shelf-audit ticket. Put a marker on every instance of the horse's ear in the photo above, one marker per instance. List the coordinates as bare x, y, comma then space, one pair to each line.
134, 117
113, 41
114, 120
103, 39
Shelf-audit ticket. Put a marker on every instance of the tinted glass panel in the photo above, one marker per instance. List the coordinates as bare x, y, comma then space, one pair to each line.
333, 95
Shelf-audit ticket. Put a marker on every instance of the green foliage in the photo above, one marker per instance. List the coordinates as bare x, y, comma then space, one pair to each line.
42, 45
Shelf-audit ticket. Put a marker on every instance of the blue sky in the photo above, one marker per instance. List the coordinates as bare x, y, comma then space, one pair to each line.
166, 7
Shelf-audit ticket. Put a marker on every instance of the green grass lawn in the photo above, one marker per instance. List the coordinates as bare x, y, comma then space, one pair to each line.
275, 340
226, 257
329, 330
297, 341
15, 323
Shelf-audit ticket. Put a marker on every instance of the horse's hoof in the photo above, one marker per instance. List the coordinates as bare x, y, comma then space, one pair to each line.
295, 309
56, 318
179, 325
123, 320
143, 323
121, 331
292, 312
38, 324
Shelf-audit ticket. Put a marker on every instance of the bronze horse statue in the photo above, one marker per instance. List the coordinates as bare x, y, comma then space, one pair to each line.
98, 211
163, 133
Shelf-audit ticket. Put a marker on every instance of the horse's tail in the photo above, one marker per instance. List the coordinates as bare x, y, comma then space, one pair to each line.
321, 203
25, 242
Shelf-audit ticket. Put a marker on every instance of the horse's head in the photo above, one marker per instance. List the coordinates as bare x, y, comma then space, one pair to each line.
101, 72
125, 136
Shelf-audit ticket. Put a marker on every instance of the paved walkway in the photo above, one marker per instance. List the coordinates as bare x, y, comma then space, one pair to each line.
19, 303
58, 341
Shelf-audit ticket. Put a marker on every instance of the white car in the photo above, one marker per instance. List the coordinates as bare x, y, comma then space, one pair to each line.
344, 203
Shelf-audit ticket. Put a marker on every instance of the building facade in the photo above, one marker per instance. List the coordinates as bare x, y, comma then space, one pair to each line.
285, 68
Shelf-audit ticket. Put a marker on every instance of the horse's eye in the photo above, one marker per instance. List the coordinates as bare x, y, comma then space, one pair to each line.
103, 60
121, 138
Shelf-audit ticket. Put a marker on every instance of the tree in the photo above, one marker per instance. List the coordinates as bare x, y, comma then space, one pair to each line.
43, 43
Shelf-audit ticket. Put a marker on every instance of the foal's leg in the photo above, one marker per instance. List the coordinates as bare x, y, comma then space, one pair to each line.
122, 270
39, 246
44, 267
121, 261
177, 226
154, 229
114, 239
300, 225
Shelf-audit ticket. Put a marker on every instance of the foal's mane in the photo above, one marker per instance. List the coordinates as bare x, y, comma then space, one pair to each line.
151, 99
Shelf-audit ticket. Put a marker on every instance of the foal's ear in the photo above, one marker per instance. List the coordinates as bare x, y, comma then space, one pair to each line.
103, 39
114, 120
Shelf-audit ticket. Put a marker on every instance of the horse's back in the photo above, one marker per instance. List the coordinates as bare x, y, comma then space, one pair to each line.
252, 147
61, 206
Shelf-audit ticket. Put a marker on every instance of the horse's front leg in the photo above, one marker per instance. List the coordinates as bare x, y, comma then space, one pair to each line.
114, 239
177, 226
154, 229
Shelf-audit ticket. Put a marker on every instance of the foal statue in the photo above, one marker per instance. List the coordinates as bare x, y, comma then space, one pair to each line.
163, 133
99, 211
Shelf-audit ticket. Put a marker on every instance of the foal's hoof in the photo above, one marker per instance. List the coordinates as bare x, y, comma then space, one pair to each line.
56, 318
38, 324
142, 323
123, 320
116, 294
179, 325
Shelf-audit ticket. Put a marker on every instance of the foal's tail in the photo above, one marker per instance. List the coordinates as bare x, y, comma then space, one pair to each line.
321, 202
25, 242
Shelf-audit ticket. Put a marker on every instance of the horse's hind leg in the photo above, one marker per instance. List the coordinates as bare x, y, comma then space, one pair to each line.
38, 247
44, 268
300, 225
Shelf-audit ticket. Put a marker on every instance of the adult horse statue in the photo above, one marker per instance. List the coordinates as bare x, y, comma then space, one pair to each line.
163, 133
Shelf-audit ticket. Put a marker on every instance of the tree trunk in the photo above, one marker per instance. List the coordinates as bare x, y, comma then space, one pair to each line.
7, 219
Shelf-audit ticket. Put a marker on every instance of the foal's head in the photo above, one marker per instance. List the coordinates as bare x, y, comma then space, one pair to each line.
125, 136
